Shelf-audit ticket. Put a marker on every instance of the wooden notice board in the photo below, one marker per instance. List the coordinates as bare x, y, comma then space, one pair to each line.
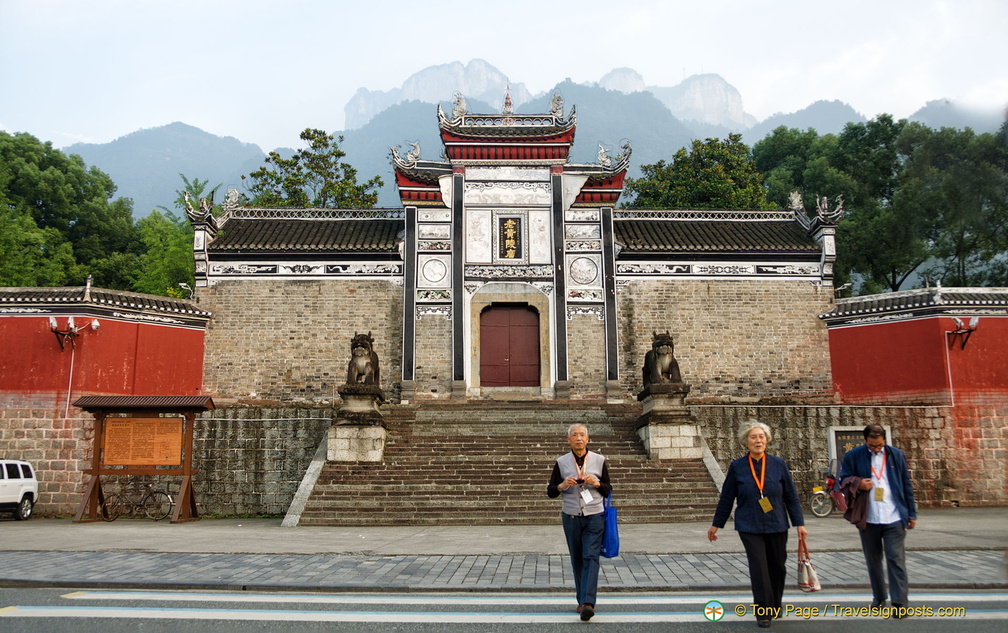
142, 442
141, 435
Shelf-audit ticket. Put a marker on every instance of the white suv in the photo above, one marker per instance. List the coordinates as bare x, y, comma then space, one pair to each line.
18, 488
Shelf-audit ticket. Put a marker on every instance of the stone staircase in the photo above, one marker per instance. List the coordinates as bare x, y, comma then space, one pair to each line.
485, 463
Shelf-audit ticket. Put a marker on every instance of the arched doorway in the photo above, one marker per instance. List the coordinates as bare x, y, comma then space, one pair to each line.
509, 346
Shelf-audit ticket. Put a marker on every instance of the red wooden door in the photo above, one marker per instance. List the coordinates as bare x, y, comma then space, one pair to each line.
509, 346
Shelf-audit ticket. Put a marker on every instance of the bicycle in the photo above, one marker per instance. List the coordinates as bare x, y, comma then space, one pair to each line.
155, 504
822, 501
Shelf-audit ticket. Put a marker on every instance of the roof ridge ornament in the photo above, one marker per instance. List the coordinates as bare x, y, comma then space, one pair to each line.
797, 207
556, 105
460, 108
411, 157
508, 109
603, 157
827, 216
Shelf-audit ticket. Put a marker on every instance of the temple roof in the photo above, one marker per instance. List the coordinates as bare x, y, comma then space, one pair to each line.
918, 302
714, 233
42, 298
316, 235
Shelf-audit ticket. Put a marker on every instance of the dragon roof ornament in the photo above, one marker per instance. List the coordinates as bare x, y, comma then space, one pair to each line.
824, 215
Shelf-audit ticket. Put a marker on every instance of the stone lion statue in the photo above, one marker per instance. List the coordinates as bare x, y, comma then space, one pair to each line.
659, 363
363, 367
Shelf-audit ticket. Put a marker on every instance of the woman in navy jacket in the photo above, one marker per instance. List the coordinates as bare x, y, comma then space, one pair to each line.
761, 487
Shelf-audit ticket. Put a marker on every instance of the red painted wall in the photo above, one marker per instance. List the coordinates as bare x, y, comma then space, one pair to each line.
120, 357
910, 361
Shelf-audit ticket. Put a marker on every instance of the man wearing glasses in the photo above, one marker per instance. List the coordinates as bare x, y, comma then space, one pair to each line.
891, 511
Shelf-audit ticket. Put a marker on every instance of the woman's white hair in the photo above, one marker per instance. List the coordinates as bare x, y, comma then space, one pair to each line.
749, 425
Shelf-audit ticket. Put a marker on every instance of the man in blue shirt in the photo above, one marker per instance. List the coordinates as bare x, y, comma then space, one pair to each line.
885, 479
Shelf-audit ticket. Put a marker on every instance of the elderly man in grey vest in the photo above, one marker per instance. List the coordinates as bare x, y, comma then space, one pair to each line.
581, 478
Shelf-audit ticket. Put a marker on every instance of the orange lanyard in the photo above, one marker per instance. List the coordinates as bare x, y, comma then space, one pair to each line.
762, 478
581, 470
877, 474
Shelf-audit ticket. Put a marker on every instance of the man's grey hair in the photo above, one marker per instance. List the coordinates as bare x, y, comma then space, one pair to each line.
570, 429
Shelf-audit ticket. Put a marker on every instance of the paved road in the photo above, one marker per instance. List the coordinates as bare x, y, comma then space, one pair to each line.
98, 610
961, 548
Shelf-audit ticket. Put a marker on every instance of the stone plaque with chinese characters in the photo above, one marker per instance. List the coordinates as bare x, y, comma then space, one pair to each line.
509, 237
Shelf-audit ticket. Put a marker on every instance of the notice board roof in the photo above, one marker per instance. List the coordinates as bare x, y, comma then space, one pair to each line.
125, 404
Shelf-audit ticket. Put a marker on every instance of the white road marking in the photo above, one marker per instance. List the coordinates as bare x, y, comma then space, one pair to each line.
699, 598
479, 604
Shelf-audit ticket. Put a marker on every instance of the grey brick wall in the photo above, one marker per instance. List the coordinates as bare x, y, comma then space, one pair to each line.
290, 340
733, 339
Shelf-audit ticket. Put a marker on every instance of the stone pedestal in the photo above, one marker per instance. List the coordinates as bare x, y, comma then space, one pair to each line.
355, 443
665, 399
358, 433
667, 429
361, 402
408, 392
614, 393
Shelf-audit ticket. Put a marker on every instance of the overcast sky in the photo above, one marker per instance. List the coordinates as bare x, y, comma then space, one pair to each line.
262, 71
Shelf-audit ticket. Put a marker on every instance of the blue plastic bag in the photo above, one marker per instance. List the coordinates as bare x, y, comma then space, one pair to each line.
610, 538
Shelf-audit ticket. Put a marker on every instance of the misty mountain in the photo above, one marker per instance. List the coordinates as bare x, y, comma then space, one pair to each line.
618, 108
145, 165
825, 117
477, 80
944, 113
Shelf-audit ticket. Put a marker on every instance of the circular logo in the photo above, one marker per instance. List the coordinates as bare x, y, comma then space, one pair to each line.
713, 611
434, 270
583, 271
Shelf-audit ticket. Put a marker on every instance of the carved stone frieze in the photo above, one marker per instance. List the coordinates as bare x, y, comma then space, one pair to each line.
509, 272
585, 310
433, 310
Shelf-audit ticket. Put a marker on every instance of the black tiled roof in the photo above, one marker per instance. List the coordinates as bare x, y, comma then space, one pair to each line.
702, 237
132, 403
302, 235
98, 297
922, 300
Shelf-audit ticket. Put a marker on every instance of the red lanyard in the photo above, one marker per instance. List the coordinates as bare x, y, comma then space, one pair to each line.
762, 478
878, 475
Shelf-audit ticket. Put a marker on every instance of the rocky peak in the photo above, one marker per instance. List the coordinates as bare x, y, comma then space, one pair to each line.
707, 98
625, 80
436, 84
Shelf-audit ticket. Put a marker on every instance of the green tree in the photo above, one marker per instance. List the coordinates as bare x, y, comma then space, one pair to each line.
959, 180
314, 177
70, 204
713, 174
30, 256
167, 260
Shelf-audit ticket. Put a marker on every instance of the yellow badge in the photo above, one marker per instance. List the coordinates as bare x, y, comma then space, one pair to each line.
879, 494
765, 504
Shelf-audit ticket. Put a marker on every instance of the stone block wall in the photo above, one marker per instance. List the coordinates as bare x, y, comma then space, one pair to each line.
586, 356
59, 448
251, 459
290, 340
956, 456
733, 339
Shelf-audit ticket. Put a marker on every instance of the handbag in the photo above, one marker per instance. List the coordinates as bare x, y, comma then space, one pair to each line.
610, 537
808, 579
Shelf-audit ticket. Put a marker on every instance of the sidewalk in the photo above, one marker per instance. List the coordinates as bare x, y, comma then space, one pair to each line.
951, 548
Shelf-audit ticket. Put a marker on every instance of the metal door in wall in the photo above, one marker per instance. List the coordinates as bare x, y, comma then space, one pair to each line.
509, 346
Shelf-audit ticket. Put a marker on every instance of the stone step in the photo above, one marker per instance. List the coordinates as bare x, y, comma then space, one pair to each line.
444, 463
